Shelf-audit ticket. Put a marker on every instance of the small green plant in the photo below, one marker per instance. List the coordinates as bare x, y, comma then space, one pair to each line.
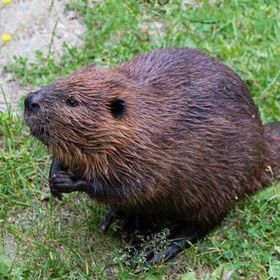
155, 244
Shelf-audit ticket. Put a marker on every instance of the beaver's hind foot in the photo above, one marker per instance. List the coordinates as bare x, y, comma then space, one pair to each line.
143, 235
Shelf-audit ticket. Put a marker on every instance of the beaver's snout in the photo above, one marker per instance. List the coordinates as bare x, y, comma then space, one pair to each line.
32, 102
34, 117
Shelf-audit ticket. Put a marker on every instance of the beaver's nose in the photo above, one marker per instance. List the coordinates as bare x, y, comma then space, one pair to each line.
32, 102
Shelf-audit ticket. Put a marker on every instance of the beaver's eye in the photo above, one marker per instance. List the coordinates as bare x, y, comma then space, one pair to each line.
72, 101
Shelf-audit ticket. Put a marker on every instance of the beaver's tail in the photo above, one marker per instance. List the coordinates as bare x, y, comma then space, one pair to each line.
272, 154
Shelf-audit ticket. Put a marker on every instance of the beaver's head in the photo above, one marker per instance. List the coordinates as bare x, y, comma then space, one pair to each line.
85, 114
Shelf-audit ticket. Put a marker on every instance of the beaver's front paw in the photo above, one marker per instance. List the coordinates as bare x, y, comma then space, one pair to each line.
63, 182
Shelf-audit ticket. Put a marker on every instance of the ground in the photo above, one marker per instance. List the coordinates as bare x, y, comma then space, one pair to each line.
53, 239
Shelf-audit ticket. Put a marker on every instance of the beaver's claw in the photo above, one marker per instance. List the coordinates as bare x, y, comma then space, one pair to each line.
63, 182
56, 167
171, 251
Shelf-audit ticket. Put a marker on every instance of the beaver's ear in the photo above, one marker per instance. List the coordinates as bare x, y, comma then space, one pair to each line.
118, 107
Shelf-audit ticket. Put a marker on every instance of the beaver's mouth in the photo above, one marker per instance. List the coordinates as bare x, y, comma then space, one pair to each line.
41, 133
38, 128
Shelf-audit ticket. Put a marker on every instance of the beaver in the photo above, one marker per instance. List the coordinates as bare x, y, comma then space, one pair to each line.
172, 138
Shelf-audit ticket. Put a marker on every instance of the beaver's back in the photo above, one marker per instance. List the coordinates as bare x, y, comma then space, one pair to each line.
204, 127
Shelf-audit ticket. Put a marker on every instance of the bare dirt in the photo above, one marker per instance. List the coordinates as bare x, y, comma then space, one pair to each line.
34, 25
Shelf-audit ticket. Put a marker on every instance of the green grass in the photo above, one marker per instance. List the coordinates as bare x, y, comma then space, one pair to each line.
62, 240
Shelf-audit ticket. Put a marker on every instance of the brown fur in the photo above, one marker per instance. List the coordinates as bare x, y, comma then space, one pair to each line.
188, 146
